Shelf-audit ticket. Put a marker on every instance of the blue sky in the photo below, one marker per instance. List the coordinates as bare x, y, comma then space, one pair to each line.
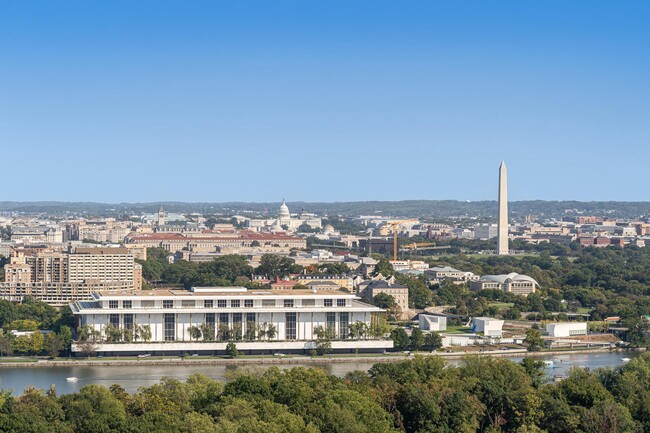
323, 101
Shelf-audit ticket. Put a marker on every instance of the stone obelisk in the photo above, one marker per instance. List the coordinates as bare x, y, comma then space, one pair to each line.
502, 227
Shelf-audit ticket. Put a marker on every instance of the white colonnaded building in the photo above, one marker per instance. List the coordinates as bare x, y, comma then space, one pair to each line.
259, 321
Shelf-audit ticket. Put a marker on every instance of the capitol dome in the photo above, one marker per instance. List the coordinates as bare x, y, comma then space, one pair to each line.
328, 229
284, 211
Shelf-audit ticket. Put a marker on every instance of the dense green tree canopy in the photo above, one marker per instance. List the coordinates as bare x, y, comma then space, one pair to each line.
421, 394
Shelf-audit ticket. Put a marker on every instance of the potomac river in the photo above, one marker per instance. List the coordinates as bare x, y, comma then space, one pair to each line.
132, 377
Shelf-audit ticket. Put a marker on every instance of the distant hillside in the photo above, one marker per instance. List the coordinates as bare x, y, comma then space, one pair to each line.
405, 208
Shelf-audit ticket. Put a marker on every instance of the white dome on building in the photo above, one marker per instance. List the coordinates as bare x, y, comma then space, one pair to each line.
328, 229
284, 211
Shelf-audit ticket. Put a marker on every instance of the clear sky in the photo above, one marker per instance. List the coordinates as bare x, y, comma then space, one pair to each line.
323, 100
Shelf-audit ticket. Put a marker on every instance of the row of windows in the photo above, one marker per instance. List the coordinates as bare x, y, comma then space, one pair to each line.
169, 323
222, 303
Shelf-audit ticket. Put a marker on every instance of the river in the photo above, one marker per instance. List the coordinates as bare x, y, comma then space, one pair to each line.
133, 377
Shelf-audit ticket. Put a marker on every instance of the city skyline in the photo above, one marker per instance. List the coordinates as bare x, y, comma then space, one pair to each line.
244, 102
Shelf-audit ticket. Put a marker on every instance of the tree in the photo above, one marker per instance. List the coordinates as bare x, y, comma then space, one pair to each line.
534, 340
65, 334
251, 331
53, 345
512, 314
273, 265
400, 338
87, 332
8, 312
145, 333
534, 369
271, 331
323, 341
417, 339
379, 326
384, 300
419, 294
87, 347
384, 267
207, 331
22, 325
195, 332
433, 340
636, 333
36, 342
231, 349
357, 330
21, 344
112, 333
5, 346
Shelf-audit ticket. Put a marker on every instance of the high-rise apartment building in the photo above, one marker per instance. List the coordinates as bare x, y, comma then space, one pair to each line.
59, 278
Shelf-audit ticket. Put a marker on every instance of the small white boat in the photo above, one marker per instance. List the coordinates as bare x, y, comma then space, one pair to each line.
625, 359
549, 364
72, 379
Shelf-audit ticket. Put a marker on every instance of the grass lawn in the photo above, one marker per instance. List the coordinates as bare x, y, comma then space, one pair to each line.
584, 310
501, 305
457, 330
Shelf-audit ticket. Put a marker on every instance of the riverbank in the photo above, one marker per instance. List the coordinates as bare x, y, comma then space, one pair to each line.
297, 359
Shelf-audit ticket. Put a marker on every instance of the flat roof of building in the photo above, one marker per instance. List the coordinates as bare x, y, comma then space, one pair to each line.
234, 292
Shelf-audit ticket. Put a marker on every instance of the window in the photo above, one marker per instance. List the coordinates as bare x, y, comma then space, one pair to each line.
343, 325
288, 303
221, 303
251, 330
327, 302
170, 327
114, 319
168, 303
128, 321
235, 303
340, 302
237, 325
210, 322
112, 304
248, 303
290, 326
308, 303
268, 303
147, 304
331, 324
208, 303
188, 303
127, 304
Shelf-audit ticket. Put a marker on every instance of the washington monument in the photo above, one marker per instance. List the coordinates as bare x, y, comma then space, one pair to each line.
502, 227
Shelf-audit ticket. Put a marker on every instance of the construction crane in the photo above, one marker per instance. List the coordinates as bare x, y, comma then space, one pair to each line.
417, 245
396, 224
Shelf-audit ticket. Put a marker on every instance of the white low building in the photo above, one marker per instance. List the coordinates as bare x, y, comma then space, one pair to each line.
257, 320
512, 282
566, 329
430, 322
451, 340
488, 326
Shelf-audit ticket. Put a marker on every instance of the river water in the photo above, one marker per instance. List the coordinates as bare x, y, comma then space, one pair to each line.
132, 377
